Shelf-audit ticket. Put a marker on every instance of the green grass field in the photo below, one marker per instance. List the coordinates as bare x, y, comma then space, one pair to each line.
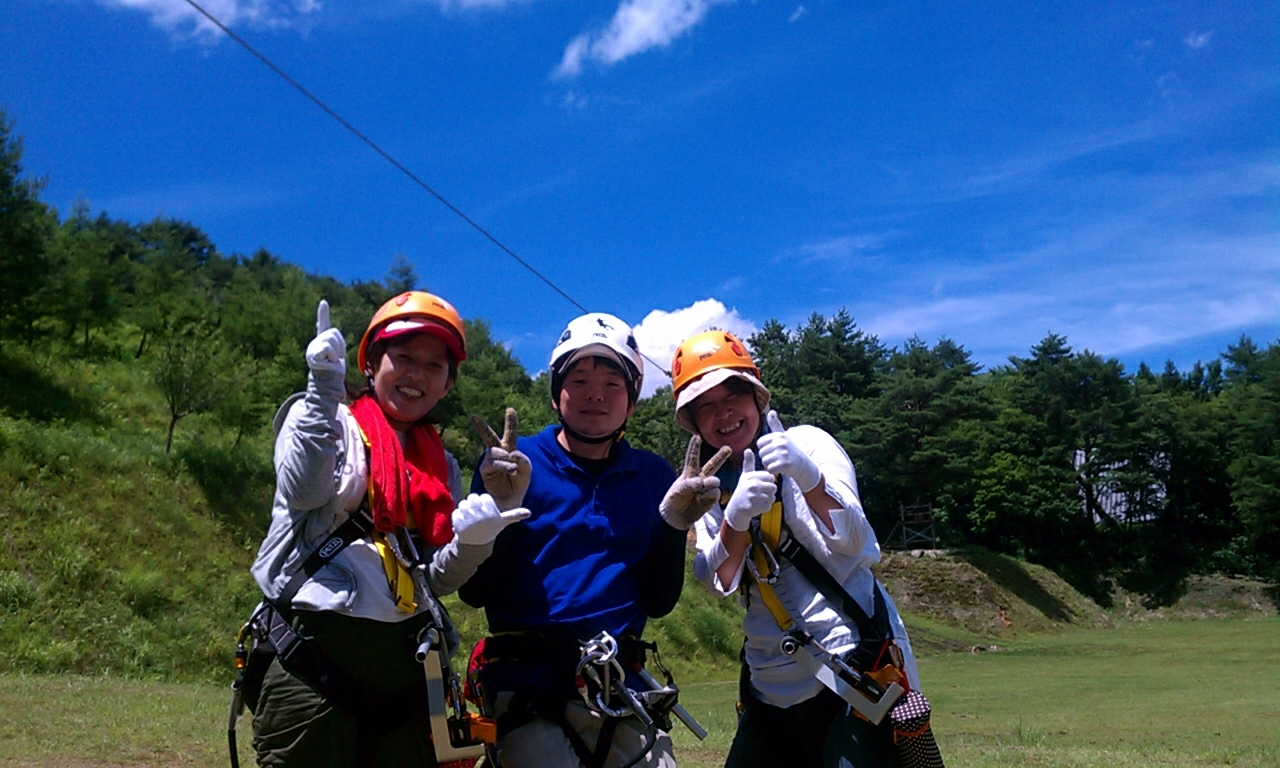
1178, 693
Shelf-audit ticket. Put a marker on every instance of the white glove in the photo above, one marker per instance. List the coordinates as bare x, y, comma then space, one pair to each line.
695, 490
478, 521
506, 471
753, 496
327, 352
782, 456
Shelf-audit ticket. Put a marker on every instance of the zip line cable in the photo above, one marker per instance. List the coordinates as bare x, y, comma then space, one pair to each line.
395, 163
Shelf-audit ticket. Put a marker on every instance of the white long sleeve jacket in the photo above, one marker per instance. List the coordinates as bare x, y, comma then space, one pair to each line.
846, 552
321, 477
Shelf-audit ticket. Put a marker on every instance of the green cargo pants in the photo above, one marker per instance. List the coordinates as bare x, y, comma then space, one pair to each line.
295, 727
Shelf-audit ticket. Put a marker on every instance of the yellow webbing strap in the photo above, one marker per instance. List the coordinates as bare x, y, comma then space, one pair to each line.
399, 580
398, 577
770, 534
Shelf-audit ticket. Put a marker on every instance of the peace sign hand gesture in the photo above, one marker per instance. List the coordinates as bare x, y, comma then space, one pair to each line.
506, 471
695, 490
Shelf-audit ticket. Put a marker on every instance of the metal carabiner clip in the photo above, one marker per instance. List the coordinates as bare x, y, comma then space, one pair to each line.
770, 577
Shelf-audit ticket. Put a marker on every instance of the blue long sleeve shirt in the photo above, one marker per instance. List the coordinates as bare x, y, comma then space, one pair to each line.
593, 555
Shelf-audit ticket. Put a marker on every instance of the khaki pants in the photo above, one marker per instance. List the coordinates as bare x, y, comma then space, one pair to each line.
541, 743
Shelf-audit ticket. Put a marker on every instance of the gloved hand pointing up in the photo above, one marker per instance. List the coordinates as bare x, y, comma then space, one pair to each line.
327, 352
782, 456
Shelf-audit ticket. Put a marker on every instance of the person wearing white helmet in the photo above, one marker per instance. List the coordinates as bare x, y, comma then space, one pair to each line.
595, 556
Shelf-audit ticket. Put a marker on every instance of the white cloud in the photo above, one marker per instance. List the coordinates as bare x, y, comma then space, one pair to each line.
1028, 166
732, 284
799, 13
660, 332
574, 101
1197, 40
1170, 291
198, 199
179, 18
637, 26
838, 249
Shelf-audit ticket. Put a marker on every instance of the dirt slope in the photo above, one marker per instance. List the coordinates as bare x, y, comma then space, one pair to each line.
956, 600
984, 594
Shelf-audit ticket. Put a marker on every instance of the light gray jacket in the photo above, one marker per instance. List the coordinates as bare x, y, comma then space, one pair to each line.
321, 477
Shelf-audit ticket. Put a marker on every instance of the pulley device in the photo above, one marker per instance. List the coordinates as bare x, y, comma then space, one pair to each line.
870, 697
456, 734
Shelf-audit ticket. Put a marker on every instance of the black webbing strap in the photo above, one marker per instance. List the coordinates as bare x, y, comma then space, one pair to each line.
357, 525
872, 630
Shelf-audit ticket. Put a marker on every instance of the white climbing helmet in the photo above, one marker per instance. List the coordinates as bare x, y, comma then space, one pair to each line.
602, 335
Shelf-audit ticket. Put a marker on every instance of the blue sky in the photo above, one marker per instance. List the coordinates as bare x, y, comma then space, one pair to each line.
986, 171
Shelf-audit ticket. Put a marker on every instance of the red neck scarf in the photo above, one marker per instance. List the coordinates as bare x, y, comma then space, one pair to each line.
406, 481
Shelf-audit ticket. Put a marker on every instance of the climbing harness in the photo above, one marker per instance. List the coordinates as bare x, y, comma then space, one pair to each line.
607, 674
871, 677
601, 679
272, 636
601, 682
271, 632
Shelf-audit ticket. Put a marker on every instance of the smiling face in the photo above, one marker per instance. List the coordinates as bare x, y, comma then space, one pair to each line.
594, 399
411, 377
727, 415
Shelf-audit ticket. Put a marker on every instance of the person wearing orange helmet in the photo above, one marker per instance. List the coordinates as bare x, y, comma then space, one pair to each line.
788, 495
369, 527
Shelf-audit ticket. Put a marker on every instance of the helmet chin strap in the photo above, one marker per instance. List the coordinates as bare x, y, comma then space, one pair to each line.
581, 438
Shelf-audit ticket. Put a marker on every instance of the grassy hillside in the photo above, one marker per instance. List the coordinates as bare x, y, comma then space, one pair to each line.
118, 557
985, 594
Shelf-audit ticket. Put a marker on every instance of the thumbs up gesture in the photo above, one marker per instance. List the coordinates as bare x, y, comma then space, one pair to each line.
752, 498
782, 456
478, 521
506, 471
696, 489
327, 352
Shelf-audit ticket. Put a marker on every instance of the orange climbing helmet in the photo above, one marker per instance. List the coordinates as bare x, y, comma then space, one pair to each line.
706, 360
415, 312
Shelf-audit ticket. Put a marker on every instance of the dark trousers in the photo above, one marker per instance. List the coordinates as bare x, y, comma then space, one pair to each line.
816, 733
295, 726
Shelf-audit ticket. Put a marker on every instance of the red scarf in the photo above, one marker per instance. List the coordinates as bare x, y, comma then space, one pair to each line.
402, 481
